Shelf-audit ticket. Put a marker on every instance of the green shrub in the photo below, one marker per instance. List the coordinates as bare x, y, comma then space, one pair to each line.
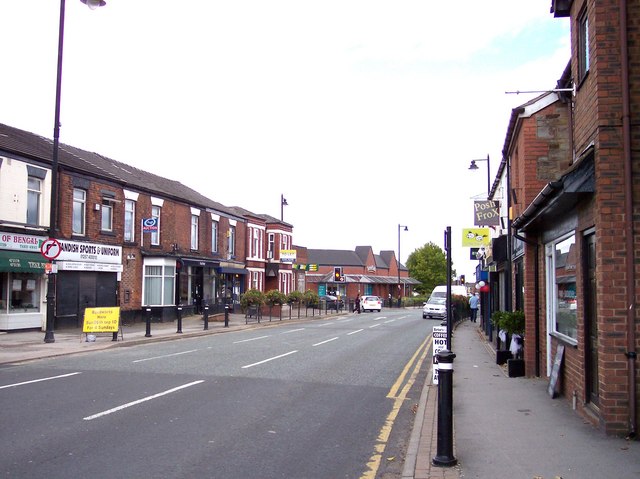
512, 322
274, 297
295, 297
310, 298
253, 297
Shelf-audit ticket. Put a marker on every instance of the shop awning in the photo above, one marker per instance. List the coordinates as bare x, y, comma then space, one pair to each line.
21, 261
226, 270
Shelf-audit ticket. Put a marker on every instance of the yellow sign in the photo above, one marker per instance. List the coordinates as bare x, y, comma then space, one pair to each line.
476, 237
101, 320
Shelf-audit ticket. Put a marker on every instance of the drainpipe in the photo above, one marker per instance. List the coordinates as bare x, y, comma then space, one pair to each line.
536, 297
628, 215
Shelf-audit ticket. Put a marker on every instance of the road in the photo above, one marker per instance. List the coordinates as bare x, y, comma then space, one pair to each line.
316, 399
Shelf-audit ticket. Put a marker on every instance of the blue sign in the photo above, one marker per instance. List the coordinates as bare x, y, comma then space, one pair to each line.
150, 225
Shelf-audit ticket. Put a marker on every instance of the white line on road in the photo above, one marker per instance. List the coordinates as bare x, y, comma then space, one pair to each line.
292, 331
38, 380
148, 398
374, 325
250, 339
379, 318
389, 321
354, 332
270, 359
165, 356
325, 342
324, 324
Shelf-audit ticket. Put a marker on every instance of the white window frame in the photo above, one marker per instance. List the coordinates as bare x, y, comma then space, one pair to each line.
106, 216
554, 303
79, 212
584, 59
214, 236
232, 240
164, 270
34, 196
271, 251
156, 212
129, 221
195, 223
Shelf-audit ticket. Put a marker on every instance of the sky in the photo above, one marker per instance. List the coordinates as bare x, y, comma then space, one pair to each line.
363, 114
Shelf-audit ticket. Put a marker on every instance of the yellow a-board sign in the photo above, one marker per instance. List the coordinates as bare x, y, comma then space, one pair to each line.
101, 320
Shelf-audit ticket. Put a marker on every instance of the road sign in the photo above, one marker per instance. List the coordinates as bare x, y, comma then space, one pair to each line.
50, 249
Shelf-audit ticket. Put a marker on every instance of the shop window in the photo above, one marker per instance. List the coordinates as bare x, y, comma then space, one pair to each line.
79, 211
20, 292
159, 280
561, 293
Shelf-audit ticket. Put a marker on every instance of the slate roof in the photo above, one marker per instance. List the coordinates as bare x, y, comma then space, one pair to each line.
34, 147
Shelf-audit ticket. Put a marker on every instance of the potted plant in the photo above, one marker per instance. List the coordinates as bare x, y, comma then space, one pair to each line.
275, 298
251, 302
513, 323
502, 354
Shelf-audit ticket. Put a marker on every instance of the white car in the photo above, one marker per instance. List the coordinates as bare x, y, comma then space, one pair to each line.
371, 303
435, 307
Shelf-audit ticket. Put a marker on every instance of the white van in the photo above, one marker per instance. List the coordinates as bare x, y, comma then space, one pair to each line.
441, 291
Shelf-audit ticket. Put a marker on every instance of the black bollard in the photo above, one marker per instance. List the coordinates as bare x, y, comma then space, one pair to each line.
226, 316
114, 337
148, 319
179, 315
206, 318
444, 456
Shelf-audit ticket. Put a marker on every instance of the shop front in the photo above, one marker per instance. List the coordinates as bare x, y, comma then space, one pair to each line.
231, 286
87, 277
23, 283
197, 284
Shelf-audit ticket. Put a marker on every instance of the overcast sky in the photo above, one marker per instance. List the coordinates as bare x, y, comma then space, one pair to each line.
363, 114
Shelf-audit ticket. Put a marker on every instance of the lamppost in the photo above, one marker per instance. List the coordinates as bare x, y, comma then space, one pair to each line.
406, 228
53, 207
473, 166
283, 203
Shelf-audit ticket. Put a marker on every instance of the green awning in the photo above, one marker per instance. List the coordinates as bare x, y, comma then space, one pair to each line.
21, 261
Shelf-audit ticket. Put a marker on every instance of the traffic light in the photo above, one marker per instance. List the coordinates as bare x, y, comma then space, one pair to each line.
337, 274
462, 279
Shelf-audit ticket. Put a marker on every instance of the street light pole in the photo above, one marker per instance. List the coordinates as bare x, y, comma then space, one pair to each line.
283, 203
53, 207
473, 166
406, 228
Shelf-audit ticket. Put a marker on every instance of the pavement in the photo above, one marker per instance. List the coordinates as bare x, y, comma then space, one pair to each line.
502, 427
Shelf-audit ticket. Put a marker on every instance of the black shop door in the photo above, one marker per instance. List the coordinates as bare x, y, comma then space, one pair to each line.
77, 290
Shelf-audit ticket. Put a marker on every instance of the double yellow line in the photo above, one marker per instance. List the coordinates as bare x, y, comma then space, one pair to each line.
411, 370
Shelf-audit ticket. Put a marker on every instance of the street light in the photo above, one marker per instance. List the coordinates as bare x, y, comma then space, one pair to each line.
406, 228
473, 166
283, 203
53, 208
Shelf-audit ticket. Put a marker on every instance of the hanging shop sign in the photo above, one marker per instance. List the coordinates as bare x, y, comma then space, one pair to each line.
475, 237
485, 213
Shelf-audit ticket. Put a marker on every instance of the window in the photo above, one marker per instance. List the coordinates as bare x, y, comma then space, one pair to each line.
79, 211
256, 282
214, 236
159, 278
583, 45
272, 246
194, 232
129, 220
232, 240
286, 241
106, 223
155, 235
256, 243
561, 294
34, 190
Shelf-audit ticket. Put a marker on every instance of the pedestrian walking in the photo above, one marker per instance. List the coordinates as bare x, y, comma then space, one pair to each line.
474, 301
357, 308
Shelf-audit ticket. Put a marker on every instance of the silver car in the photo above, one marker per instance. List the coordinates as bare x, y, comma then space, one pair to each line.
435, 307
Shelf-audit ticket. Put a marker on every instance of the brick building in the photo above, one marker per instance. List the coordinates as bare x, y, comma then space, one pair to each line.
569, 179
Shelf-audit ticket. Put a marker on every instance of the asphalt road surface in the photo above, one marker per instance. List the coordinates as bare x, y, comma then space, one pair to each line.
314, 399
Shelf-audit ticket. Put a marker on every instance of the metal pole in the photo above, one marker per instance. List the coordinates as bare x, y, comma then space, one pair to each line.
206, 318
49, 336
179, 314
444, 455
226, 316
488, 177
447, 247
148, 320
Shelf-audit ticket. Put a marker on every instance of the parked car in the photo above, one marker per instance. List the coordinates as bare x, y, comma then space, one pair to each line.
371, 303
332, 302
435, 307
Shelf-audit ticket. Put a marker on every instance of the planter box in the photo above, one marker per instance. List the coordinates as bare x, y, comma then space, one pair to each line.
515, 368
502, 356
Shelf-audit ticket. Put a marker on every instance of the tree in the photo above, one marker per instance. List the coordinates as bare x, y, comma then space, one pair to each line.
429, 266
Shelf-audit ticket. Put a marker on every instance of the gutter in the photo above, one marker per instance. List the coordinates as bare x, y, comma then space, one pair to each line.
631, 353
